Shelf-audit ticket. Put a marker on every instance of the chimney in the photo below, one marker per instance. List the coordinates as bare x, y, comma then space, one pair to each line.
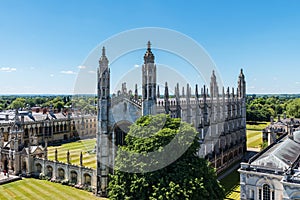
284, 115
278, 119
69, 115
6, 117
22, 118
272, 119
290, 132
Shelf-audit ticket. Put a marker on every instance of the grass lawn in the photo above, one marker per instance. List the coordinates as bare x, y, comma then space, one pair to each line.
84, 146
32, 189
259, 126
254, 134
254, 139
231, 184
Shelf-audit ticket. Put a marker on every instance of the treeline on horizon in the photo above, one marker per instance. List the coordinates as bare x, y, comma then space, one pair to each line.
85, 103
263, 107
259, 107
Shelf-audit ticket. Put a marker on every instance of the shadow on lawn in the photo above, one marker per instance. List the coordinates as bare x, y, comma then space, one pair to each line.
233, 194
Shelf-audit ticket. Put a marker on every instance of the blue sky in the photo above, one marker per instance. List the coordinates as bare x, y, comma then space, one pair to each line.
42, 43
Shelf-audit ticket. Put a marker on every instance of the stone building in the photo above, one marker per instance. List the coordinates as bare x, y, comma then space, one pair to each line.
218, 115
24, 136
56, 127
273, 173
24, 139
279, 128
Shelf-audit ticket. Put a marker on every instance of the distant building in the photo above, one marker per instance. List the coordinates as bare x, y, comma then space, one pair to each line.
56, 127
279, 128
24, 138
218, 116
273, 173
24, 133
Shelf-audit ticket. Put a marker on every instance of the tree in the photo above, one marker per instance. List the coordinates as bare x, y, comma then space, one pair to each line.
293, 108
188, 177
39, 100
58, 105
18, 103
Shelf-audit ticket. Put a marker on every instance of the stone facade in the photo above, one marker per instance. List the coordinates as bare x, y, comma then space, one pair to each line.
273, 173
25, 153
55, 128
279, 128
219, 117
77, 175
24, 136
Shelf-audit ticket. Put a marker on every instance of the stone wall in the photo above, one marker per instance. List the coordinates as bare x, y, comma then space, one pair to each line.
58, 171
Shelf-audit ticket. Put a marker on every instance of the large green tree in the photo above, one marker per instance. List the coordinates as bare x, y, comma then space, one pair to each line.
18, 103
293, 108
188, 177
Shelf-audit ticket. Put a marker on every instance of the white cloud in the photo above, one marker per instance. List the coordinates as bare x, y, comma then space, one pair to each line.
92, 72
81, 67
51, 75
67, 72
136, 65
8, 69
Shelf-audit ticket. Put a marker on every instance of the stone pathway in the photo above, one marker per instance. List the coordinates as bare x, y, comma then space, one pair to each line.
248, 155
5, 179
253, 149
228, 171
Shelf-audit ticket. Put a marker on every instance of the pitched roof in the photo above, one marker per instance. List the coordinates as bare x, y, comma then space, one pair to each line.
282, 154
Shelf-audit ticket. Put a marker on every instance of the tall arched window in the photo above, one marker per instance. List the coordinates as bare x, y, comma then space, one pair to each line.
266, 192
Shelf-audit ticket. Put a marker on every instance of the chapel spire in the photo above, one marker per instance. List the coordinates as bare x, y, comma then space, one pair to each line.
148, 57
149, 83
103, 61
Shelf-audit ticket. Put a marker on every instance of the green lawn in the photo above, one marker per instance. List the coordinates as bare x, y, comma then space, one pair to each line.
259, 126
32, 189
254, 139
84, 146
254, 134
231, 184
234, 194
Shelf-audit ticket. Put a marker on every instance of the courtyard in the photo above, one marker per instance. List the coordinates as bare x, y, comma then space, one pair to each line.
75, 148
29, 188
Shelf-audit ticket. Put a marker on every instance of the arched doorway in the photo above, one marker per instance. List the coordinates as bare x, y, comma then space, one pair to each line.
121, 129
87, 179
49, 171
61, 173
38, 167
24, 165
74, 177
5, 165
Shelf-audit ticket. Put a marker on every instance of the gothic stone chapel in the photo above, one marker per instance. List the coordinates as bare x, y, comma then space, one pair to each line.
219, 117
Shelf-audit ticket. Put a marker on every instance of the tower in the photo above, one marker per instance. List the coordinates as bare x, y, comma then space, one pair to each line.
166, 99
213, 86
149, 83
103, 117
242, 85
15, 145
242, 96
